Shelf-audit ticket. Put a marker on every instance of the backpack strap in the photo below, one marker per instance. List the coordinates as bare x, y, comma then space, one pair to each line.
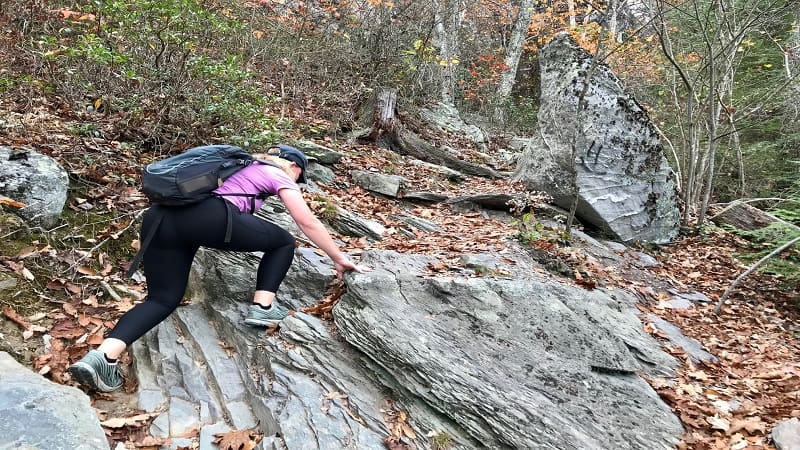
147, 239
229, 225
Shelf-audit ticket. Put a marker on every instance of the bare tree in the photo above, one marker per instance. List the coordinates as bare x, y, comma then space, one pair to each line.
448, 15
513, 52
704, 80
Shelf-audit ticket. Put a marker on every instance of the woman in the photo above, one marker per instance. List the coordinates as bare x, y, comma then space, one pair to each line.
183, 230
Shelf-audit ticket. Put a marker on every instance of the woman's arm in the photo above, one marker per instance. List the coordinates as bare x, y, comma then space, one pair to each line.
313, 228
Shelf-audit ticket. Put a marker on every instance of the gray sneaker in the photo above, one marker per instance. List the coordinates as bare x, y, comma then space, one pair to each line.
95, 372
260, 317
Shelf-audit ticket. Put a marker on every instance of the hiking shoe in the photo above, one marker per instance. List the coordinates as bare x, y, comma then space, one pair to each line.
260, 317
95, 372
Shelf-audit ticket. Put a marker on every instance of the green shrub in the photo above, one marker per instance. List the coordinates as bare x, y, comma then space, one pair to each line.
169, 64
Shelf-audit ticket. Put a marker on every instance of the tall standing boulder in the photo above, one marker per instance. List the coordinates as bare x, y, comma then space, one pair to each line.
36, 180
610, 153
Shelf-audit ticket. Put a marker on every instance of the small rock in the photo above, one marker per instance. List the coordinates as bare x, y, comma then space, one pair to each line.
786, 435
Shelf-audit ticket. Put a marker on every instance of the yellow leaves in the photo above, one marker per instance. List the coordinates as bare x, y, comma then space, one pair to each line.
238, 439
381, 3
444, 62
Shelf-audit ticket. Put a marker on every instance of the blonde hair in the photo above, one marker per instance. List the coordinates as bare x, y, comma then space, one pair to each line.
284, 164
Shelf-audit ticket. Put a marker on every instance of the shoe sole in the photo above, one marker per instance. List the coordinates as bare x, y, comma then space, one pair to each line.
86, 375
262, 322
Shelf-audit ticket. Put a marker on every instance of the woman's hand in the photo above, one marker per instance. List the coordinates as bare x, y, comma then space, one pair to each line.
345, 265
313, 228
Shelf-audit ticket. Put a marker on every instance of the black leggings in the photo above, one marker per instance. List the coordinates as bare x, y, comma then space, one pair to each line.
168, 258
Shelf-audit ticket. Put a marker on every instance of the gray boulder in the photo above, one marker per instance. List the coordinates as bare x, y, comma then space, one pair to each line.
320, 153
388, 185
444, 117
36, 180
482, 361
39, 414
618, 170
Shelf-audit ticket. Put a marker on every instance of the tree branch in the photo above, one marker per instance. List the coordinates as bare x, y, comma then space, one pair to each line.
752, 268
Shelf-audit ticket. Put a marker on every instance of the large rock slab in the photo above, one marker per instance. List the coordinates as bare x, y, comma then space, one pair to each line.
36, 180
618, 168
514, 363
39, 414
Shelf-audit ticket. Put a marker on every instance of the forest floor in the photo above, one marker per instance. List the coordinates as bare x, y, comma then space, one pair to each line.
71, 288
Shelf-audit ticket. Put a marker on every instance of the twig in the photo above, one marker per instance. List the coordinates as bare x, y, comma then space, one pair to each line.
115, 235
133, 293
755, 266
111, 291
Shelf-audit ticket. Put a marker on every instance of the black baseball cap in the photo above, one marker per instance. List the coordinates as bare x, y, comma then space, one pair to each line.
294, 155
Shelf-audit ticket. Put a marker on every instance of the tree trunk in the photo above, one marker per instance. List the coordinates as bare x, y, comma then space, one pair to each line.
513, 53
447, 19
384, 119
571, 12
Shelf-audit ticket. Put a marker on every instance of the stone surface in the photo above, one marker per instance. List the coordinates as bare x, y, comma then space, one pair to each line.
447, 118
320, 173
10, 224
324, 155
674, 334
451, 174
495, 201
623, 180
786, 435
7, 282
483, 358
498, 356
39, 414
388, 185
36, 180
417, 222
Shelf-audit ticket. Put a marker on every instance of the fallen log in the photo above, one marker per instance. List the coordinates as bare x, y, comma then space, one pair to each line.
387, 131
742, 216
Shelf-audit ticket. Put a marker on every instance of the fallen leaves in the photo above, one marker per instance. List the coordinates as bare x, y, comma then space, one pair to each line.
28, 329
402, 434
238, 439
324, 307
19, 268
137, 420
731, 404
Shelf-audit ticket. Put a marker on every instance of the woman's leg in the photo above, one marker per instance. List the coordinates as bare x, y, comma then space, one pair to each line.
250, 233
168, 259
166, 263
